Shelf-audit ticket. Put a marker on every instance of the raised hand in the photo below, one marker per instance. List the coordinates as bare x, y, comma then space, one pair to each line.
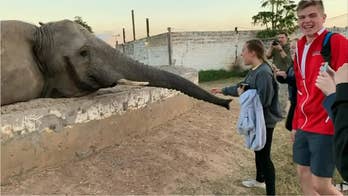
215, 90
341, 75
325, 82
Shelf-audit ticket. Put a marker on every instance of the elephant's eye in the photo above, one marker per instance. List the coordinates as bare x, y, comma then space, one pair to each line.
84, 53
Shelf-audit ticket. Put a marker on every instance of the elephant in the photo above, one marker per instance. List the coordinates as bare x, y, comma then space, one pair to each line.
63, 59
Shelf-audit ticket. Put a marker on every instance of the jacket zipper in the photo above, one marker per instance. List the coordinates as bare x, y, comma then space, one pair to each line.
304, 102
327, 119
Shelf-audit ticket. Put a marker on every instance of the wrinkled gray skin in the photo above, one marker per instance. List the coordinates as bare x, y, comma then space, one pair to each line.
62, 59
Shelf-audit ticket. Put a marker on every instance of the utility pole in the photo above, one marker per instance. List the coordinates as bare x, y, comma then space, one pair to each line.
133, 24
124, 35
124, 39
169, 46
147, 28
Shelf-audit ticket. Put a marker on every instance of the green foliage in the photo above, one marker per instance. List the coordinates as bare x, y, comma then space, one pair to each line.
280, 17
267, 33
211, 75
78, 19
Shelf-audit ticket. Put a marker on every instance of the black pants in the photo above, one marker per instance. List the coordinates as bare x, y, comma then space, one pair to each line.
264, 167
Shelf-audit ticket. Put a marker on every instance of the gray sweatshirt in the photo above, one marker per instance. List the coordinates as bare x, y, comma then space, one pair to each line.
266, 86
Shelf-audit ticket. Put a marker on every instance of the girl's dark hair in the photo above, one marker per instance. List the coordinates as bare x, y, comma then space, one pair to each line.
256, 46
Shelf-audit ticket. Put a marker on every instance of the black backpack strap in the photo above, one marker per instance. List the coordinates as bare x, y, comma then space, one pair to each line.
326, 47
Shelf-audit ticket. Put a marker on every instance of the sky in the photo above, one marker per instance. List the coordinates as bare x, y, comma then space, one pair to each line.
108, 17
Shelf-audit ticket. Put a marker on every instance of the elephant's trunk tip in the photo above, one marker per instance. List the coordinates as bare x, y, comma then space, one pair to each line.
226, 104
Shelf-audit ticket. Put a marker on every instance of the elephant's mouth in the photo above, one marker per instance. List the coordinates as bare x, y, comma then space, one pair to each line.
90, 86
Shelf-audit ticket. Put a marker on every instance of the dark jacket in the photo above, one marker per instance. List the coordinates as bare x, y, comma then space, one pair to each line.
263, 81
291, 81
337, 107
340, 113
328, 102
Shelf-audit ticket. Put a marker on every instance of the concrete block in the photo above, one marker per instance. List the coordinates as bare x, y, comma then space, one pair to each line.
46, 132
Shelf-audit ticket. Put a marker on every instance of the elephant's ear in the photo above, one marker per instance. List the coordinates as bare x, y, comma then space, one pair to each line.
41, 23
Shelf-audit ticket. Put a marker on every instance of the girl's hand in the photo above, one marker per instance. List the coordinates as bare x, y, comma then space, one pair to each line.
215, 90
341, 75
282, 74
326, 83
240, 90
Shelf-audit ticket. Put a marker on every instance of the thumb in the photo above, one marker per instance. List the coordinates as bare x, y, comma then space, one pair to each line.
331, 72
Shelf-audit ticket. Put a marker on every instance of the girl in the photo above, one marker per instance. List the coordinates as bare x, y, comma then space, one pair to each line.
261, 78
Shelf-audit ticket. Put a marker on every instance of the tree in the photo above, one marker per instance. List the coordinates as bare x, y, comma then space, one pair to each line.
79, 20
280, 17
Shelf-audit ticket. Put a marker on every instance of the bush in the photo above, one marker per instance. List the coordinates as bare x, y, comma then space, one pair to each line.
211, 75
268, 33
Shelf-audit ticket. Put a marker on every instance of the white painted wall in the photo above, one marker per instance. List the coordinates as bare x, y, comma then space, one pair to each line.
152, 51
198, 50
208, 50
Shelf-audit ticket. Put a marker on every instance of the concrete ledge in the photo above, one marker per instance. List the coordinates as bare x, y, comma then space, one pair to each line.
46, 132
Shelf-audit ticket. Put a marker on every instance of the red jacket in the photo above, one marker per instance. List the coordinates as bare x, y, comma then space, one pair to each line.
310, 115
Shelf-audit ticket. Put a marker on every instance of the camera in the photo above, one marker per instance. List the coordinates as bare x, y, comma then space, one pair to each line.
244, 85
275, 42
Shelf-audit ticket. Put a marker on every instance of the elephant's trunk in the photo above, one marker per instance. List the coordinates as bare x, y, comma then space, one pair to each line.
134, 70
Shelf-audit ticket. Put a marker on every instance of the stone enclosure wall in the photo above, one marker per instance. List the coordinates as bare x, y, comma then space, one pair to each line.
198, 50
48, 132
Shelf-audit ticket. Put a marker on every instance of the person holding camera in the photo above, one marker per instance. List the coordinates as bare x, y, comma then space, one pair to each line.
261, 78
279, 51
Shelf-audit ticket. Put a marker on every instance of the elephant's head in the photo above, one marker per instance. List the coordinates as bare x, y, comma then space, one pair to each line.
75, 63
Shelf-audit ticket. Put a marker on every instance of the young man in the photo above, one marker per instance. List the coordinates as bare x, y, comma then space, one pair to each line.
313, 143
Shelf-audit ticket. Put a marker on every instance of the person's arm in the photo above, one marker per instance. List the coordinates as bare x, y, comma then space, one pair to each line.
281, 76
340, 113
264, 87
281, 79
285, 54
295, 118
290, 79
328, 102
269, 52
231, 90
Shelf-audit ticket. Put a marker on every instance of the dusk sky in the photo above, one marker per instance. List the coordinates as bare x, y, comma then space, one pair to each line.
108, 17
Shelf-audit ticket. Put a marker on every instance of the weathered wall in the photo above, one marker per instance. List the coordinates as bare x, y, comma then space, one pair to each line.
198, 50
152, 51
45, 132
208, 50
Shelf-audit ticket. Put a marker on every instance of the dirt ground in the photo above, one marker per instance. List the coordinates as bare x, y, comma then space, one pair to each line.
198, 152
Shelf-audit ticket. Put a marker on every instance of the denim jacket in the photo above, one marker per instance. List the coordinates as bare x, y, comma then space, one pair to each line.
251, 122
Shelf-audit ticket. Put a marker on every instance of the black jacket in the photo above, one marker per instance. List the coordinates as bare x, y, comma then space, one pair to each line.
290, 80
340, 115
